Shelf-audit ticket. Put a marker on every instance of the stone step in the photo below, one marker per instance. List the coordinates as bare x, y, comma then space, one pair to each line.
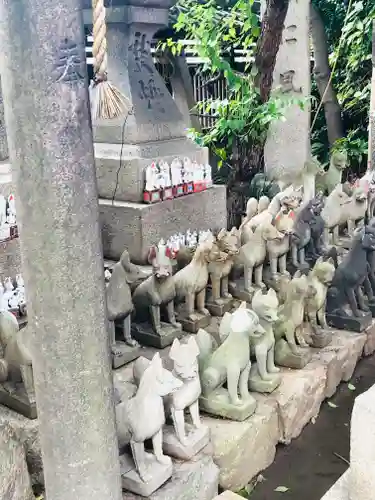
137, 226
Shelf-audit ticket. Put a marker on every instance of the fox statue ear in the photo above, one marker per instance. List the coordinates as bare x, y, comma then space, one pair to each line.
272, 292
174, 349
193, 346
151, 254
156, 363
221, 234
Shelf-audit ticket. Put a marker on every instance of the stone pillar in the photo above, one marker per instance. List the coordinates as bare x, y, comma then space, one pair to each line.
371, 131
362, 447
288, 143
155, 131
51, 149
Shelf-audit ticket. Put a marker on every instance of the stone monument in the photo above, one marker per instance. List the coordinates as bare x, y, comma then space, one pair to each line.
292, 76
51, 150
154, 130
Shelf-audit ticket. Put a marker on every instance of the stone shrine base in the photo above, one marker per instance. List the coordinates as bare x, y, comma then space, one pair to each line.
241, 450
137, 226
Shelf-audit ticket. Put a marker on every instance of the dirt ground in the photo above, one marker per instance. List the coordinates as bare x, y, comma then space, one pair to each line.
309, 466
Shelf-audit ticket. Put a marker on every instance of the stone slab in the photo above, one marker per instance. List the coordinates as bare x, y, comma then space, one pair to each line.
26, 432
340, 490
14, 477
350, 323
145, 335
242, 449
124, 354
137, 226
193, 480
158, 475
18, 401
197, 439
298, 398
362, 447
285, 357
257, 384
228, 495
220, 307
339, 358
369, 347
193, 323
127, 183
218, 404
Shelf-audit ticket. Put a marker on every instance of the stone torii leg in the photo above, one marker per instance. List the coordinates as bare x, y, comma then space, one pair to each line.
45, 90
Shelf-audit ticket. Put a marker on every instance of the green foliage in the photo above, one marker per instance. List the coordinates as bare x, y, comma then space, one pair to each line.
218, 28
352, 76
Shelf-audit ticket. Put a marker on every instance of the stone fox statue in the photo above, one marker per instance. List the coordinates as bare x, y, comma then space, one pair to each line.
16, 364
158, 289
351, 274
142, 417
230, 362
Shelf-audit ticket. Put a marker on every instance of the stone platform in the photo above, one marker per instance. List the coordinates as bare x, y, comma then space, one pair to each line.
340, 490
128, 181
137, 226
241, 450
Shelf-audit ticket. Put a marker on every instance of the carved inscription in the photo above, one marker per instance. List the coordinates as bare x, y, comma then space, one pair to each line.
287, 83
68, 67
141, 53
151, 93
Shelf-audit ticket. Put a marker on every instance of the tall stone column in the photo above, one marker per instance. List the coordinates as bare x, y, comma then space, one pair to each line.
288, 144
51, 150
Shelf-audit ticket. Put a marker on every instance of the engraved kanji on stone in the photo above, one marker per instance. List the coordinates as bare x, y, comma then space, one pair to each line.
286, 82
141, 50
68, 67
150, 92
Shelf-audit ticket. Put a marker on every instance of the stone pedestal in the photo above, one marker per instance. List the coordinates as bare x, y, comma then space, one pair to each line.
292, 75
153, 130
137, 226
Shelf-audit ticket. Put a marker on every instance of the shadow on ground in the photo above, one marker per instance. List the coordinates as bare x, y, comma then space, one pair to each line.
309, 466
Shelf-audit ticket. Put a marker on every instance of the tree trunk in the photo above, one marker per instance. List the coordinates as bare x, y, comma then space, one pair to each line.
253, 156
269, 43
322, 73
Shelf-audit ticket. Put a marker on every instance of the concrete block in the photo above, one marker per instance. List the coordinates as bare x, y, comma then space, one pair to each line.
193, 480
26, 432
340, 358
138, 226
14, 478
340, 490
298, 398
362, 447
120, 170
243, 449
369, 347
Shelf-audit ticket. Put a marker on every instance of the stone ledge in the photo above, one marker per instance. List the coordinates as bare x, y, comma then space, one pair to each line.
228, 495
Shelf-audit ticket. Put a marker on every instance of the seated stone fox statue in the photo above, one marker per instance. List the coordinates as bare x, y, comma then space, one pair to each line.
158, 289
16, 364
230, 362
351, 274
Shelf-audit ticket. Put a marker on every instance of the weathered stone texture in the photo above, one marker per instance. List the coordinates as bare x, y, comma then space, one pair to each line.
14, 477
243, 449
193, 480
